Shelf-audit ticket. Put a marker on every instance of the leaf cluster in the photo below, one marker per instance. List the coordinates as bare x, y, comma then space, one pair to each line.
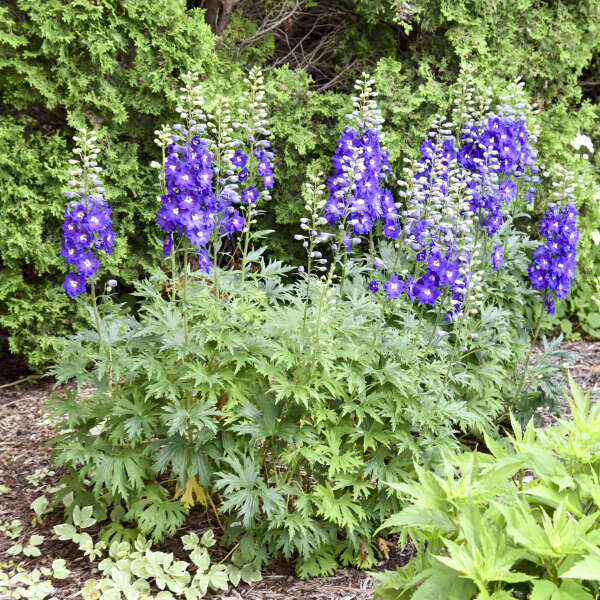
283, 413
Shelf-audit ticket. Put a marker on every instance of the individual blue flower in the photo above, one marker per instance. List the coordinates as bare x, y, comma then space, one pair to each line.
497, 257
86, 264
426, 291
204, 261
374, 286
391, 228
242, 175
409, 288
448, 274
250, 195
230, 222
393, 288
167, 245
268, 180
378, 263
239, 159
73, 284
263, 167
69, 251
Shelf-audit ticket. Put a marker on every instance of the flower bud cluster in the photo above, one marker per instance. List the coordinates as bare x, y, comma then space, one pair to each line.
189, 207
202, 174
312, 236
87, 223
495, 151
254, 123
437, 222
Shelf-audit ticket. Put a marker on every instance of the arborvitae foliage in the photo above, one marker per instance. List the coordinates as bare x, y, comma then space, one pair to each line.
115, 66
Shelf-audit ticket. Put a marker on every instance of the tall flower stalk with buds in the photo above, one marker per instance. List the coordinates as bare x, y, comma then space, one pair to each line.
554, 261
87, 224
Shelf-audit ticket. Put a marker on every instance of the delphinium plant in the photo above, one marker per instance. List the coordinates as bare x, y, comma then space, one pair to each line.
275, 407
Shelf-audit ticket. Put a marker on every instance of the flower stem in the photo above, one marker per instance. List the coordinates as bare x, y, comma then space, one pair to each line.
538, 325
215, 265
438, 319
95, 310
185, 287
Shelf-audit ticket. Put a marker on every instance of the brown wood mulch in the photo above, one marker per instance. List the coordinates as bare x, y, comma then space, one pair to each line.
24, 432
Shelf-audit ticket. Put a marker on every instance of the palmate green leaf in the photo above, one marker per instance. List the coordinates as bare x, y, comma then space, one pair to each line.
484, 556
320, 562
163, 379
552, 537
300, 533
185, 458
139, 418
444, 583
588, 568
123, 471
360, 488
435, 522
568, 590
245, 492
261, 419
180, 419
553, 498
340, 509
154, 514
206, 379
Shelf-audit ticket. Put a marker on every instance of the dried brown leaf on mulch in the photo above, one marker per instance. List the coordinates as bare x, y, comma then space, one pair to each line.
25, 431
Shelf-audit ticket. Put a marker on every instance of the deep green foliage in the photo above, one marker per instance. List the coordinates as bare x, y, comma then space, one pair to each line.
63, 64
280, 403
289, 435
522, 517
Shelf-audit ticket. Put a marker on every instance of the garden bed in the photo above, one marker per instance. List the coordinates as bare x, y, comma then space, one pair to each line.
24, 432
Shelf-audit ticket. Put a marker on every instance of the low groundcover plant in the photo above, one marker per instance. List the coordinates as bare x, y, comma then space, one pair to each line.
276, 404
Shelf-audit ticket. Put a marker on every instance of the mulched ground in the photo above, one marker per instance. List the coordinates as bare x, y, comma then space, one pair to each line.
24, 433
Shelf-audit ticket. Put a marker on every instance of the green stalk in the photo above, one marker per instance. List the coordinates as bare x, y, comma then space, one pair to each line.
438, 319
246, 244
538, 325
384, 304
343, 276
95, 309
215, 266
185, 288
308, 271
